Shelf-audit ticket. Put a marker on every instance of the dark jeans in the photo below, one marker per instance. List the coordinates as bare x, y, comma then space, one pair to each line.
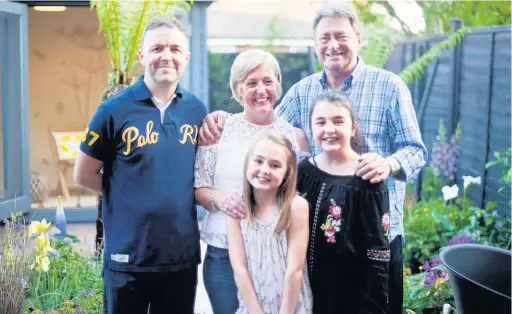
396, 277
133, 292
219, 281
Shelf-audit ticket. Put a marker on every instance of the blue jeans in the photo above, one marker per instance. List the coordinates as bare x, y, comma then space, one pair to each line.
219, 281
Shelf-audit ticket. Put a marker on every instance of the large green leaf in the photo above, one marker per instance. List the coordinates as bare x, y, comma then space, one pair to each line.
123, 22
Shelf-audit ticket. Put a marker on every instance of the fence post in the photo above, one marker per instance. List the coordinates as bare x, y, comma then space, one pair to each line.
456, 69
488, 129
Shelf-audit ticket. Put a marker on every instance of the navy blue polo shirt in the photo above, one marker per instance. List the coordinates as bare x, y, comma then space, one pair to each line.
149, 214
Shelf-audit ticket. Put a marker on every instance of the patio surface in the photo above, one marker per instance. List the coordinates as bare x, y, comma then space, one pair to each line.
86, 233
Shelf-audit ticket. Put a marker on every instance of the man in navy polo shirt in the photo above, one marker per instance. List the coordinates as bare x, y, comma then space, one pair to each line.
145, 140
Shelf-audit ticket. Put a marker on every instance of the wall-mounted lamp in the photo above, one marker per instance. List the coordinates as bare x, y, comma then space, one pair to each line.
56, 8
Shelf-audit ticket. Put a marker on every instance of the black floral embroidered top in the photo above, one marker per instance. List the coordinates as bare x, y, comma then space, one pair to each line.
349, 225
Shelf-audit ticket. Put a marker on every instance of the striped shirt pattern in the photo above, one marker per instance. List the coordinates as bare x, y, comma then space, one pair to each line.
387, 121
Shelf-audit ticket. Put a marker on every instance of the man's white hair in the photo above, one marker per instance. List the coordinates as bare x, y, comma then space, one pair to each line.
337, 9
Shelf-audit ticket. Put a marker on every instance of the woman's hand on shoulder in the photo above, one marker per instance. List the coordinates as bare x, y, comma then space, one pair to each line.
232, 204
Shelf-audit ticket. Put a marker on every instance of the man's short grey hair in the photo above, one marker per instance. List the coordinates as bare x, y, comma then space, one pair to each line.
248, 61
337, 9
163, 21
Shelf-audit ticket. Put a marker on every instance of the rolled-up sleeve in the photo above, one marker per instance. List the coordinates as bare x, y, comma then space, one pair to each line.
204, 167
410, 151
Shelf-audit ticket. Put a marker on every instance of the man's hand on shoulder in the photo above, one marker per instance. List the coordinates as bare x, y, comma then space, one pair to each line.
375, 168
212, 127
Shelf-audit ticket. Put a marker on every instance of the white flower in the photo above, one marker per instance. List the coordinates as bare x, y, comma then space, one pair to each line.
468, 180
447, 308
450, 192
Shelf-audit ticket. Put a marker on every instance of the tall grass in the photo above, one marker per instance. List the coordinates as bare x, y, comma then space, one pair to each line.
15, 264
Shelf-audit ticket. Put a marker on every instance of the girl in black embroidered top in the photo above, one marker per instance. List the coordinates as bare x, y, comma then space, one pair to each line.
348, 253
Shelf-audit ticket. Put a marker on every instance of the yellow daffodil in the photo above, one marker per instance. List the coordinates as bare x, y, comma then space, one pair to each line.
42, 242
43, 262
37, 227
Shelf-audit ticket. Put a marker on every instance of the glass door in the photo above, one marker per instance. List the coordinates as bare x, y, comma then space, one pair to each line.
14, 128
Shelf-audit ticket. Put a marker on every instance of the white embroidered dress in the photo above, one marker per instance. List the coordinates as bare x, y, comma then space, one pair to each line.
266, 262
221, 167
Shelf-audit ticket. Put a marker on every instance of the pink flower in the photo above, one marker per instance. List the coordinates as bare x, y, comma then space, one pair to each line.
335, 212
385, 221
329, 232
332, 223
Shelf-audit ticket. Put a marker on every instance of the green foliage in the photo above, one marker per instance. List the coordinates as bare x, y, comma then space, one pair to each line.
122, 23
71, 279
502, 159
417, 68
220, 93
437, 14
366, 14
418, 296
429, 226
380, 41
434, 223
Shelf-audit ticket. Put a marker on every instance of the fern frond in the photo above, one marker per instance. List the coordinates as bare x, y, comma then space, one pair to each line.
136, 29
381, 40
123, 22
108, 20
416, 68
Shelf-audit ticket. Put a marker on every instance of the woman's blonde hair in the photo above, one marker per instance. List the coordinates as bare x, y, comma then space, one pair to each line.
248, 61
286, 191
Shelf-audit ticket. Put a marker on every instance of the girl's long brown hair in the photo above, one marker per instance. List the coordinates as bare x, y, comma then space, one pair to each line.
286, 191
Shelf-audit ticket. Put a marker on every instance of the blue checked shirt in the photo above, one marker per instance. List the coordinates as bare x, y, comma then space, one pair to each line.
387, 120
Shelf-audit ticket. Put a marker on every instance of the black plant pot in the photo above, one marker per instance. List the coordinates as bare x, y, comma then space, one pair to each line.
434, 310
480, 278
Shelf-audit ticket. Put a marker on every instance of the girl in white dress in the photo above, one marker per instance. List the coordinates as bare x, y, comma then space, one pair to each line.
268, 249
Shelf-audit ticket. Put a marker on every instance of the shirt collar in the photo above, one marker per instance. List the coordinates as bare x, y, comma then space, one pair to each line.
349, 80
141, 91
160, 103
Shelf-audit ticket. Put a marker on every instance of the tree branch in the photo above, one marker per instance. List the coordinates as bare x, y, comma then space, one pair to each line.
392, 13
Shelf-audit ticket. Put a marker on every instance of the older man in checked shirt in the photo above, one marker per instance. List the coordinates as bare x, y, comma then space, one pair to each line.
393, 150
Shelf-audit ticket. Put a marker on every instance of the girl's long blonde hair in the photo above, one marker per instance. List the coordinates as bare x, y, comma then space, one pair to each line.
286, 191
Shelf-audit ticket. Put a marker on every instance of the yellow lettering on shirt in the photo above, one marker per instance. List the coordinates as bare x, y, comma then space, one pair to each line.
95, 136
131, 135
189, 132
